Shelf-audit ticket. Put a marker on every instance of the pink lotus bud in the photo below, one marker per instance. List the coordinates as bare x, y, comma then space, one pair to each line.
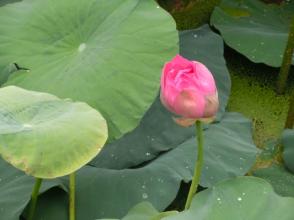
188, 89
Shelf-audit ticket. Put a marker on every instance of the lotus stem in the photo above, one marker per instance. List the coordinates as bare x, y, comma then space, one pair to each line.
290, 117
35, 193
72, 185
287, 61
198, 166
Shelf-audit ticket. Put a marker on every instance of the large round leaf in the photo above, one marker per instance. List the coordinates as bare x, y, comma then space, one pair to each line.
45, 136
106, 53
15, 190
247, 198
255, 29
229, 152
288, 143
157, 131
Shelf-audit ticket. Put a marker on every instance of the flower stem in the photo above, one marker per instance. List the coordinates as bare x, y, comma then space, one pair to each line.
72, 183
198, 166
35, 194
287, 61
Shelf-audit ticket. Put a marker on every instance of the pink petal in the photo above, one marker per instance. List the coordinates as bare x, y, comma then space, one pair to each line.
185, 122
189, 104
205, 81
179, 60
211, 106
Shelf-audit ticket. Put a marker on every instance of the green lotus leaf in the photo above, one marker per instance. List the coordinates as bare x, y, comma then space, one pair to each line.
288, 143
247, 198
229, 152
4, 2
157, 131
276, 174
108, 54
255, 29
45, 136
145, 211
15, 190
142, 211
279, 177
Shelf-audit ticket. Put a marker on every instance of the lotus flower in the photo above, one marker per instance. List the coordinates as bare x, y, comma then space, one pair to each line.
188, 90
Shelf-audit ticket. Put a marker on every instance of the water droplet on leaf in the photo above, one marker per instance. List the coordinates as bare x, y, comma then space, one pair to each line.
144, 195
82, 47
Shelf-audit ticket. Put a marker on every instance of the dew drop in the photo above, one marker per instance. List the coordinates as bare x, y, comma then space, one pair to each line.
27, 125
243, 194
143, 187
160, 180
148, 154
82, 47
195, 35
157, 7
239, 199
144, 195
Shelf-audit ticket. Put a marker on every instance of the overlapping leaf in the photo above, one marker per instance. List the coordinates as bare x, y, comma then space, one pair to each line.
229, 152
106, 53
4, 2
247, 198
45, 136
15, 191
279, 177
157, 131
255, 29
